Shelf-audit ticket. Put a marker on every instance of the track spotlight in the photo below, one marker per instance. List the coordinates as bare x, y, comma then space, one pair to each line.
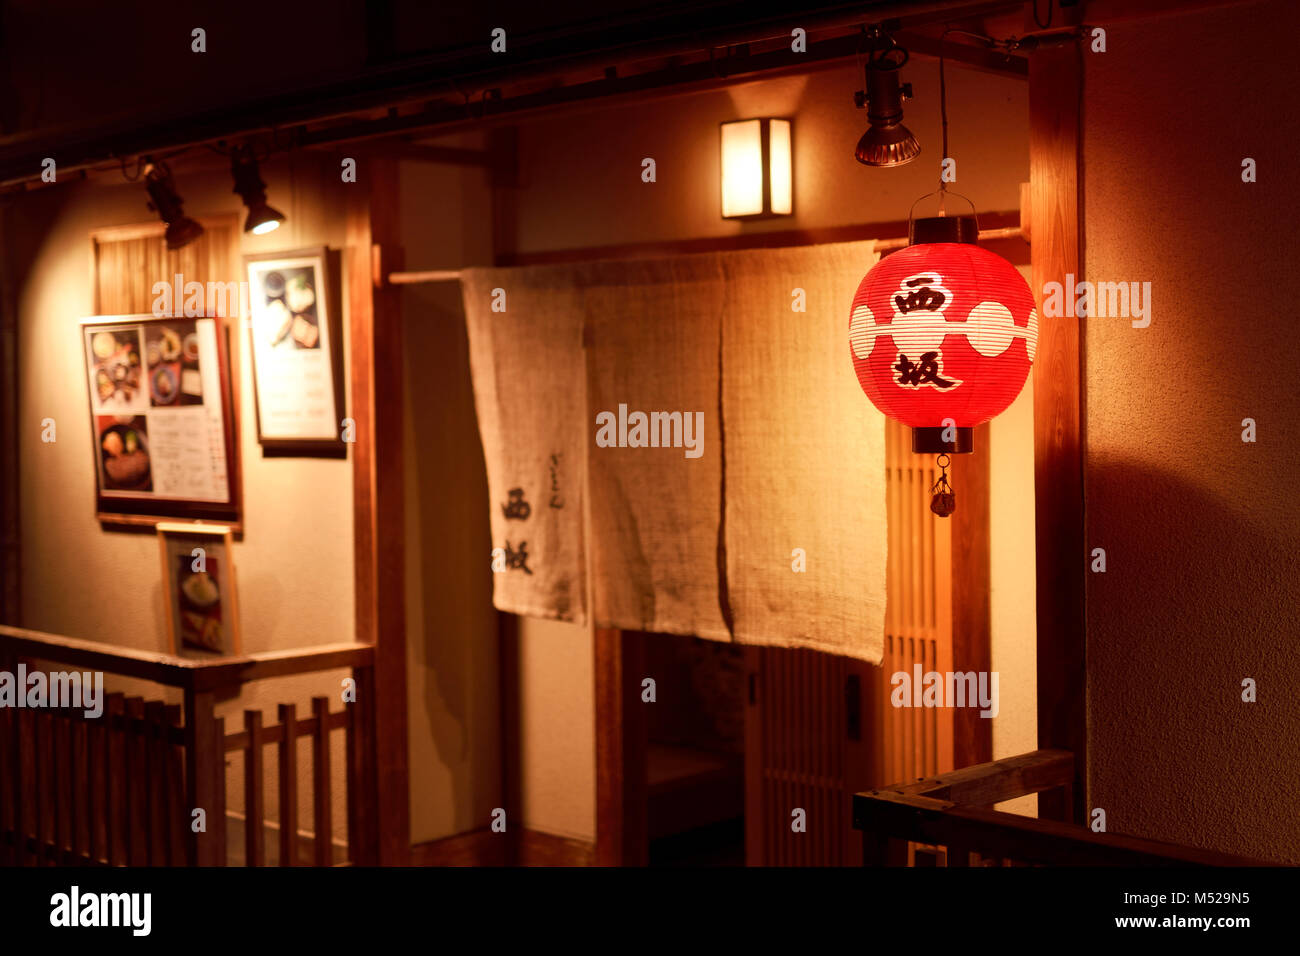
887, 142
262, 218
181, 229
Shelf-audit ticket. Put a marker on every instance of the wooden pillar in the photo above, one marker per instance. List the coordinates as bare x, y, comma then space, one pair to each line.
376, 376
10, 552
972, 630
363, 820
511, 738
1055, 84
202, 781
622, 834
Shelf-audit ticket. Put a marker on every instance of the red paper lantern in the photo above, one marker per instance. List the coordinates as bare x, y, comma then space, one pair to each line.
943, 334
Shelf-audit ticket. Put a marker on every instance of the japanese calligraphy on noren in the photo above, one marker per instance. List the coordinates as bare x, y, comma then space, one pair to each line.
516, 509
557, 501
518, 560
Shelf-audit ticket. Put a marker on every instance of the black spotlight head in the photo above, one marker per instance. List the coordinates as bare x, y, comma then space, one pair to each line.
887, 142
163, 199
262, 218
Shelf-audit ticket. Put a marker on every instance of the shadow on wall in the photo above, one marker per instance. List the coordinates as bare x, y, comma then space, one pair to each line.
1198, 594
452, 626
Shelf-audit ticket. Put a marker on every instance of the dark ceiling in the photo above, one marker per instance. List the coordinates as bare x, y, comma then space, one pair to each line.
87, 81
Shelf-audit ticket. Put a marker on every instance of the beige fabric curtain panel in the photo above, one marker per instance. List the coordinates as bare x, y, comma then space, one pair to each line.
527, 364
731, 469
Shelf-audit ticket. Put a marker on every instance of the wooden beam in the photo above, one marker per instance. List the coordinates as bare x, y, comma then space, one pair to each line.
977, 56
1004, 243
1055, 85
378, 492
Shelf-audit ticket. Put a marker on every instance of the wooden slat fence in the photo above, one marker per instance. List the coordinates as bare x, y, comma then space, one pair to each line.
119, 789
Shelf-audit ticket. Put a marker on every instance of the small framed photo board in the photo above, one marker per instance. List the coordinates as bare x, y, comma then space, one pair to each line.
199, 589
162, 430
296, 345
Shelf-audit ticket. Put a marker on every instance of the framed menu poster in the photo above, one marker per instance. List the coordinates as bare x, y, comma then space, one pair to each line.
161, 426
199, 593
296, 349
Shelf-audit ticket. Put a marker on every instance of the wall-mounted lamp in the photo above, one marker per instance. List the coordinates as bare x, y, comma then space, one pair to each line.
887, 142
262, 218
163, 199
756, 169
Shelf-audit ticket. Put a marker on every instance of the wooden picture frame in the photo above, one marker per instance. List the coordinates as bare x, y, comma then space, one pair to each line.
200, 589
169, 375
295, 348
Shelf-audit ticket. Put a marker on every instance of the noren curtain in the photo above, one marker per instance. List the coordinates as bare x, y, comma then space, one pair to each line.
723, 473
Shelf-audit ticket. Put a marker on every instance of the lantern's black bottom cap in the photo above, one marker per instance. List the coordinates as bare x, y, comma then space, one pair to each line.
929, 441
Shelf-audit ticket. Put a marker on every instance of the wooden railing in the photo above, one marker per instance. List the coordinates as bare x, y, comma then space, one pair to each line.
121, 789
954, 811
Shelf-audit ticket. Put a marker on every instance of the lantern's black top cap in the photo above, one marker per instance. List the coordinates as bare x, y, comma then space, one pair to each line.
944, 229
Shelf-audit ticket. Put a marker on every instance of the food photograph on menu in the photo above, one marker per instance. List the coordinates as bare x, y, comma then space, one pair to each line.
294, 360
199, 582
161, 424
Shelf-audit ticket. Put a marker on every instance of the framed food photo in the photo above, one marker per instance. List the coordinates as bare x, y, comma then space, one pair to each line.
199, 589
296, 340
162, 432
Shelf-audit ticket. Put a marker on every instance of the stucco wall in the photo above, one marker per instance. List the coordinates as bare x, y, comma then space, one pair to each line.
1200, 529
294, 562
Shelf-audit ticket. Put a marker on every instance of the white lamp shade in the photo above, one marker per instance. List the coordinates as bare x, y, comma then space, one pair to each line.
757, 175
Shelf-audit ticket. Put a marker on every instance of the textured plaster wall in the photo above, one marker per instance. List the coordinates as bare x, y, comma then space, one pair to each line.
294, 562
1200, 530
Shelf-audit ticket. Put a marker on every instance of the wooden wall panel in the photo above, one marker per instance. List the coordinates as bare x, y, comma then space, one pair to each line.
127, 260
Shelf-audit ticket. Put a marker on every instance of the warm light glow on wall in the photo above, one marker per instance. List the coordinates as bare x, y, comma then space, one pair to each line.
757, 175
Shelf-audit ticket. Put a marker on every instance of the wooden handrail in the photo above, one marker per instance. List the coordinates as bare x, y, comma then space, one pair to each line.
953, 810
202, 739
188, 673
988, 783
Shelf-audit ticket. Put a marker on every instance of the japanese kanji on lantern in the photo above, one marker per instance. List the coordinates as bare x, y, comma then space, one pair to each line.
942, 335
